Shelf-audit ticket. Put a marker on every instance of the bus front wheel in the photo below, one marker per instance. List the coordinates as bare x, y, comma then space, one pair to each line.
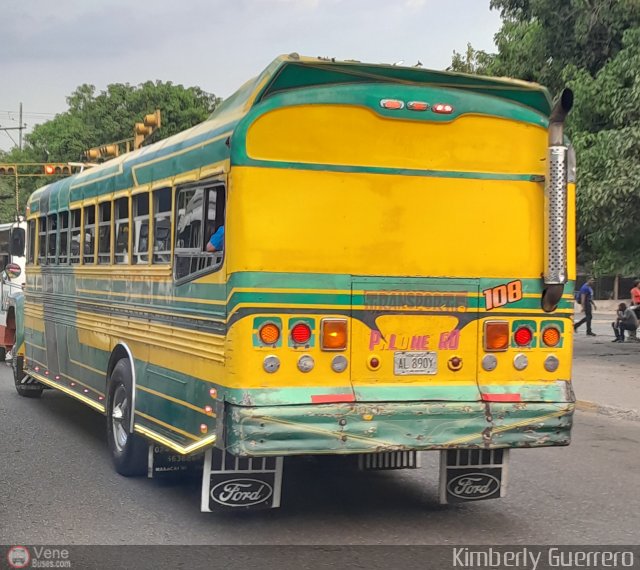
128, 450
25, 386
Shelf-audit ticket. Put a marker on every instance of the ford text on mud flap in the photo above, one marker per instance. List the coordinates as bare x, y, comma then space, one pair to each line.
473, 474
231, 482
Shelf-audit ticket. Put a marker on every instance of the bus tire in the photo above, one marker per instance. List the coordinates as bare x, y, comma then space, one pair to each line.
31, 390
128, 450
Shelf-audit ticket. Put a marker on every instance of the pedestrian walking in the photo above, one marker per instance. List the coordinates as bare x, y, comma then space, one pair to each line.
585, 298
626, 321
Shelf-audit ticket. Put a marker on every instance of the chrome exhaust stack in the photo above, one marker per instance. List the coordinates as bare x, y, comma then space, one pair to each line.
555, 205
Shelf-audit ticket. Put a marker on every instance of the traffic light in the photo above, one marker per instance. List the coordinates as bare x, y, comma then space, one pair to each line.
143, 130
104, 151
7, 169
59, 169
92, 154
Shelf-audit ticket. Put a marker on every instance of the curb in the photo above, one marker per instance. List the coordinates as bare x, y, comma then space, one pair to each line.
606, 410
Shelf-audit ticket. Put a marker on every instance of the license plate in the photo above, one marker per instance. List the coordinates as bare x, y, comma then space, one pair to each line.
405, 363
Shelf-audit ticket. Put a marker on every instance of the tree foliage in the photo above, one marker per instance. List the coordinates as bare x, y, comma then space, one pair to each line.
97, 118
593, 46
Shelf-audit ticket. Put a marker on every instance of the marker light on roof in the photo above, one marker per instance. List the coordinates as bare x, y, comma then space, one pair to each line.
442, 108
417, 105
392, 104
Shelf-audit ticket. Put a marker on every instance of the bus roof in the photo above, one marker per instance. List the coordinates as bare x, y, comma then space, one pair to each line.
205, 143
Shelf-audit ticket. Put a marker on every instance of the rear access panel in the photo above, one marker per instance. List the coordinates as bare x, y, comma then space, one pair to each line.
414, 339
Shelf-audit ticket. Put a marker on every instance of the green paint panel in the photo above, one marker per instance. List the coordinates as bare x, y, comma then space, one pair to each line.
362, 428
294, 74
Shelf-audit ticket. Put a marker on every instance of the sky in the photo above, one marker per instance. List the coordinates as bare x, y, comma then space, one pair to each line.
48, 48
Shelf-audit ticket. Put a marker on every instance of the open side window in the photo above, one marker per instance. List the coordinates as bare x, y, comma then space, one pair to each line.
76, 229
141, 228
63, 222
89, 234
122, 230
200, 211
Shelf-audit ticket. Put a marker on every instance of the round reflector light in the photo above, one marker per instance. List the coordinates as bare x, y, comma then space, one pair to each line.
269, 333
523, 336
551, 336
301, 333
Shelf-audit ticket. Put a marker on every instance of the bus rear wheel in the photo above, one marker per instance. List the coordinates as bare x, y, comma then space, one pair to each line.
30, 389
128, 450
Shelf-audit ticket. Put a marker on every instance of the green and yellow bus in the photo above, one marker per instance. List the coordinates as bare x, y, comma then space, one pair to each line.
396, 276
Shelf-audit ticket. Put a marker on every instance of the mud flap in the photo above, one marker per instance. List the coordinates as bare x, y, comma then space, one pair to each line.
473, 474
230, 482
163, 462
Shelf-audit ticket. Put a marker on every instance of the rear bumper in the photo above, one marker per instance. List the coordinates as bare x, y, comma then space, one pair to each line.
387, 426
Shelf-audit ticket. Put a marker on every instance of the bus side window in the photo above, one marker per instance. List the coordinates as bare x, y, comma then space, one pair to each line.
215, 211
141, 228
104, 233
122, 230
32, 241
89, 234
74, 255
200, 212
63, 219
162, 225
52, 226
42, 239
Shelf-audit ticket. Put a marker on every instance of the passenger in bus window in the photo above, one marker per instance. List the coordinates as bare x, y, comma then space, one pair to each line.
216, 242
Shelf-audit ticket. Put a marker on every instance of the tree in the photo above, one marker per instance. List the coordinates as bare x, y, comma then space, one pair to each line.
539, 38
94, 119
472, 61
605, 129
593, 46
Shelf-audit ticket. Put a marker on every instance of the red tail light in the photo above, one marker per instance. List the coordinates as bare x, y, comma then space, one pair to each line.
392, 104
417, 105
523, 336
301, 333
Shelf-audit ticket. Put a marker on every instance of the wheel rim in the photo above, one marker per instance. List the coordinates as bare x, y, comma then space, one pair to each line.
120, 418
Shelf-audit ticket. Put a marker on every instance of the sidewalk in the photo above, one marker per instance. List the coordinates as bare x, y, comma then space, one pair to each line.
606, 375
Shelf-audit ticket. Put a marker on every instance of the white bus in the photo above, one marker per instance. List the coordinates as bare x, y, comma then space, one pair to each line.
12, 261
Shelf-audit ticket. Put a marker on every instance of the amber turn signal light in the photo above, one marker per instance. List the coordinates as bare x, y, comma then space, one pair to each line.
551, 336
269, 333
496, 336
333, 334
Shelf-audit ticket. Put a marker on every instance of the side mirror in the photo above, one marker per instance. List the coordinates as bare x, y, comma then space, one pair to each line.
13, 270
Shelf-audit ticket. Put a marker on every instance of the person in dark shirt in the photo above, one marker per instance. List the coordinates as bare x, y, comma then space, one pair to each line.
626, 321
586, 300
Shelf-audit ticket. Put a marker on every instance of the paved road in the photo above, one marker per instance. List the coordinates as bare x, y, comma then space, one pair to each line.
57, 486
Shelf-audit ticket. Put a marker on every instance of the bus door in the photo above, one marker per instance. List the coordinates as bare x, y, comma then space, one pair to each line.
414, 339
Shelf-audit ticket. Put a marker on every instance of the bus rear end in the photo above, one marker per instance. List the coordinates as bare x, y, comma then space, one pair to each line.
385, 246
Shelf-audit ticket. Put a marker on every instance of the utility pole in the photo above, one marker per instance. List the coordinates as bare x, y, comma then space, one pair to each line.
19, 137
20, 128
